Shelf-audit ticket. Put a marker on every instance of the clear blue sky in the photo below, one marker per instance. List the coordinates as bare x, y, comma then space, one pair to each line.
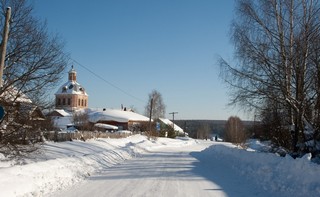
140, 45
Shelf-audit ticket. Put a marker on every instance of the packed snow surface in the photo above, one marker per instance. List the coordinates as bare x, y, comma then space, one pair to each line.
136, 166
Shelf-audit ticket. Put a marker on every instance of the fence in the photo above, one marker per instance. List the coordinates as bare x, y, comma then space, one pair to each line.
83, 135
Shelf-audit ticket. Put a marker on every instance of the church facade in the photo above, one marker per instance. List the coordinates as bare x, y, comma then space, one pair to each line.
71, 95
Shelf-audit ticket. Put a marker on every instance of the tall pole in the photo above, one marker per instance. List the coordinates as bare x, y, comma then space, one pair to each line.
3, 48
173, 113
151, 105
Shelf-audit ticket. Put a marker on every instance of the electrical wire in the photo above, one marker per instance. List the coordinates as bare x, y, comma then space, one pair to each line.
107, 82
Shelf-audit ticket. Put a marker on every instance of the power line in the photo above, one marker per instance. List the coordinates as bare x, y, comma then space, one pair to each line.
107, 82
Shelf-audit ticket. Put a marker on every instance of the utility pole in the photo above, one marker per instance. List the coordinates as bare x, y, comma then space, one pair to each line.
173, 113
151, 105
3, 48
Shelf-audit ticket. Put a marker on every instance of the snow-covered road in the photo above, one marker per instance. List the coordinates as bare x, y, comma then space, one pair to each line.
137, 166
180, 171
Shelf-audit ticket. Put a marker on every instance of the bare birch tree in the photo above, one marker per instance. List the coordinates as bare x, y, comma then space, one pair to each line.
234, 131
158, 106
277, 52
203, 131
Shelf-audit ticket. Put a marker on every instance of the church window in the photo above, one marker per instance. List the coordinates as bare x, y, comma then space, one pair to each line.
69, 101
59, 101
82, 102
63, 101
79, 102
85, 103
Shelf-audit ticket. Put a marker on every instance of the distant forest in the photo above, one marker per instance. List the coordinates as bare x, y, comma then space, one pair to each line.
214, 127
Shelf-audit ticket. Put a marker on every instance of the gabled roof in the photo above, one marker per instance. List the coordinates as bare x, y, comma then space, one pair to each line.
37, 114
59, 112
12, 94
116, 115
170, 123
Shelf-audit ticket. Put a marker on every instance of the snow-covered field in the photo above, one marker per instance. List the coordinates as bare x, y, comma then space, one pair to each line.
58, 166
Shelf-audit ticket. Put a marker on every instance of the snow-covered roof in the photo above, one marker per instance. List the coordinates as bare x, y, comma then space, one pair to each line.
105, 126
63, 112
12, 94
115, 115
170, 123
99, 115
71, 87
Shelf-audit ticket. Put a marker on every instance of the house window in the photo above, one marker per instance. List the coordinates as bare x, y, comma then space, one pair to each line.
69, 101
63, 101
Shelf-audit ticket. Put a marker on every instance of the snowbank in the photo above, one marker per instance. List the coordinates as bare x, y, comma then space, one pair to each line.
59, 165
296, 177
